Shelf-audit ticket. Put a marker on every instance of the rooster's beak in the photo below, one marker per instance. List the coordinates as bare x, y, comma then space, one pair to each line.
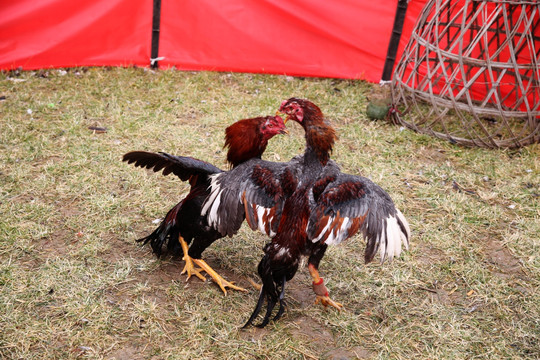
284, 132
278, 113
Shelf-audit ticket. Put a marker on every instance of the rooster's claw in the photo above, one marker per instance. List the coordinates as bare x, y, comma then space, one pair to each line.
326, 301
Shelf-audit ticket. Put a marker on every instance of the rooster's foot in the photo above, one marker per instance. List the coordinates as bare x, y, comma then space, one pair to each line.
326, 301
190, 269
216, 277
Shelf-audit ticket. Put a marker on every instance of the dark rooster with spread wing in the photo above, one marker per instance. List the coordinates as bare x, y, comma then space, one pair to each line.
304, 205
183, 225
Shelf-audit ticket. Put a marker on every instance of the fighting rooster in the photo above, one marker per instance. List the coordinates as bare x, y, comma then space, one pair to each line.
304, 205
183, 225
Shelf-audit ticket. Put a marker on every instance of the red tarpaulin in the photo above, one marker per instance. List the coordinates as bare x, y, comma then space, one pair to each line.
61, 33
344, 39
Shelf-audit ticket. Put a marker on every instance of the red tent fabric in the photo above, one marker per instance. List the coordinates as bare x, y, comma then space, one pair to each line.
38, 34
342, 38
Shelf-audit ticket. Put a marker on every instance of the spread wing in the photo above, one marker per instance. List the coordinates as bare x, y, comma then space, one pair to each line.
255, 190
346, 204
182, 166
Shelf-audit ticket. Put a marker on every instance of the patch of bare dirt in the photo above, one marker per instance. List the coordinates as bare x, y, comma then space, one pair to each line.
426, 254
60, 242
126, 352
160, 277
506, 266
57, 244
501, 258
431, 155
299, 291
324, 343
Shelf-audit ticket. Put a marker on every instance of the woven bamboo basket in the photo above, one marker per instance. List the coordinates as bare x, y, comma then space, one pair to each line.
470, 73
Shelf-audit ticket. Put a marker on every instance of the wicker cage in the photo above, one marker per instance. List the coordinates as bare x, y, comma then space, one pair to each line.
470, 73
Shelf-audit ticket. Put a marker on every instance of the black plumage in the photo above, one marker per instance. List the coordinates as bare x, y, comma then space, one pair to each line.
184, 226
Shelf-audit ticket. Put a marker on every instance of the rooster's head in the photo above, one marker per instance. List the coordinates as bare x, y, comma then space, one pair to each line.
271, 126
320, 135
302, 111
248, 138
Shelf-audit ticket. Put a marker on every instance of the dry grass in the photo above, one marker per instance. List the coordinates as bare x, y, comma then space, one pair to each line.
73, 283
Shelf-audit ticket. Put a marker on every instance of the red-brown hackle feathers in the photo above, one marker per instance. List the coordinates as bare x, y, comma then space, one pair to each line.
248, 138
244, 141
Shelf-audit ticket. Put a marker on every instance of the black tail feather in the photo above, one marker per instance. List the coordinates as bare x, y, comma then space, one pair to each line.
272, 299
164, 239
269, 308
282, 303
258, 308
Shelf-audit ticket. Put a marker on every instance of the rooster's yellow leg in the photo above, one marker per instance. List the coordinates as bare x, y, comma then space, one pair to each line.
320, 290
189, 268
254, 284
216, 277
314, 273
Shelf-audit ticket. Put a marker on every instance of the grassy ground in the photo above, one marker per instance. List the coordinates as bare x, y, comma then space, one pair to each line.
74, 284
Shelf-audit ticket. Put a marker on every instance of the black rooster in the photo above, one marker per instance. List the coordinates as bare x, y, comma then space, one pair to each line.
304, 205
183, 225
